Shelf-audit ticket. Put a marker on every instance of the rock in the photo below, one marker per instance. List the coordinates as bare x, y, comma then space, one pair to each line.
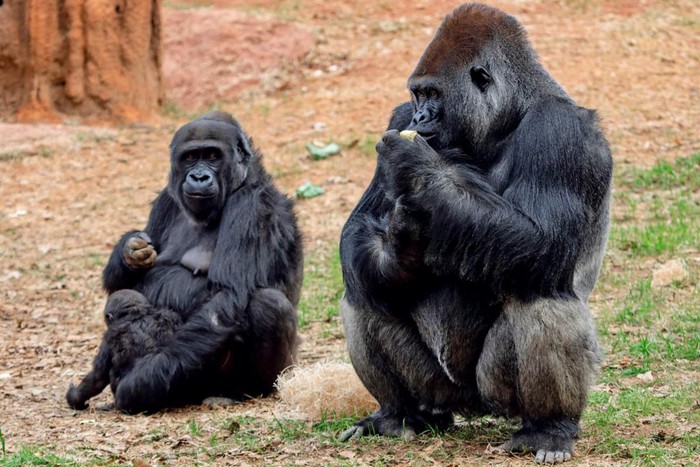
668, 273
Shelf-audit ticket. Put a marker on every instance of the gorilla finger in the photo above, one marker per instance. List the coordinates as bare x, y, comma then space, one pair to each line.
549, 457
150, 261
144, 236
349, 433
143, 253
136, 243
539, 457
558, 457
359, 433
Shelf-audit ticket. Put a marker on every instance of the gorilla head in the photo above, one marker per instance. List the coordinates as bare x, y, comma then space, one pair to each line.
471, 86
210, 157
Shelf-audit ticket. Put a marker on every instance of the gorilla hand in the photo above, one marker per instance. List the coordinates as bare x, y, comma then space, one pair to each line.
138, 252
405, 234
406, 164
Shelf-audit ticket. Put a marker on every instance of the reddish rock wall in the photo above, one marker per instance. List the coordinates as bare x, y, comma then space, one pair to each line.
80, 59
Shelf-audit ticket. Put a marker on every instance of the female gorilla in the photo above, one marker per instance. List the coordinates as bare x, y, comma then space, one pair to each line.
222, 250
470, 258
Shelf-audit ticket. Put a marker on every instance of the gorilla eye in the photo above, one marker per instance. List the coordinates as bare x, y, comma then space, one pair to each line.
190, 157
480, 77
213, 156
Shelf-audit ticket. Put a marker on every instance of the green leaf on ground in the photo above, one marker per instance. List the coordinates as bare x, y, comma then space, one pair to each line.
309, 190
321, 152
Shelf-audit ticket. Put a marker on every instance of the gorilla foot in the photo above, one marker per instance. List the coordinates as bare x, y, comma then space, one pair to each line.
217, 402
552, 442
109, 406
75, 398
406, 426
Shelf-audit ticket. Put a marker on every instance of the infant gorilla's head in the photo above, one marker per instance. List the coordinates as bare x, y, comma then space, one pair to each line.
123, 303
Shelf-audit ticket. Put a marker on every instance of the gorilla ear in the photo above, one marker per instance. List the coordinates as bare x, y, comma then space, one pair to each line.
480, 77
244, 148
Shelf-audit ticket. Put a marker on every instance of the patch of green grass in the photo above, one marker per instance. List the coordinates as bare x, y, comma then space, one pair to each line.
640, 304
29, 455
94, 137
683, 172
368, 145
194, 4
331, 424
194, 428
665, 198
646, 421
288, 10
15, 155
322, 289
290, 430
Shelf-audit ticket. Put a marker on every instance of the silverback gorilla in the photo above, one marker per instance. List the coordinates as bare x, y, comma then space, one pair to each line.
470, 258
223, 252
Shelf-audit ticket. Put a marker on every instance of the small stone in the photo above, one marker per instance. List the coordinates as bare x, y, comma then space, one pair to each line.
668, 273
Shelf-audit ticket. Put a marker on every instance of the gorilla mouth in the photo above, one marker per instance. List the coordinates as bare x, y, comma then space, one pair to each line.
199, 195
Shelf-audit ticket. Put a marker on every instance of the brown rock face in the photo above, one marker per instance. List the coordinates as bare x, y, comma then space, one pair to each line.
84, 59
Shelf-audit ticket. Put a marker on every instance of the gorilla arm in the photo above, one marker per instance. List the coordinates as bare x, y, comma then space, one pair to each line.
255, 249
139, 247
370, 238
525, 241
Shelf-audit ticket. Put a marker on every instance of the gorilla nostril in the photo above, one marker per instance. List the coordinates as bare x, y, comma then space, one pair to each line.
199, 177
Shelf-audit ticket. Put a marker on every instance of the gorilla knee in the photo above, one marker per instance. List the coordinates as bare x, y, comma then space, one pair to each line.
556, 348
270, 309
496, 371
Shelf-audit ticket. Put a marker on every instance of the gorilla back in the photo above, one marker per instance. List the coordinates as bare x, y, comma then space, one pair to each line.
469, 260
221, 249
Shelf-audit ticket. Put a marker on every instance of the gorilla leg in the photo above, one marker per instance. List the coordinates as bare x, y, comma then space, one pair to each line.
453, 322
95, 381
269, 347
538, 362
399, 370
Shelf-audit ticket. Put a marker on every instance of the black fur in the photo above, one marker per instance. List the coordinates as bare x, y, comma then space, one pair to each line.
134, 329
469, 260
223, 251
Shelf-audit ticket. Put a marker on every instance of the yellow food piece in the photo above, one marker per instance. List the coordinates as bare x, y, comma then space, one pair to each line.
408, 134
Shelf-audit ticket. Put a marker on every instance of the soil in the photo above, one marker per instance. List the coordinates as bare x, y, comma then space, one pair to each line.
61, 60
291, 72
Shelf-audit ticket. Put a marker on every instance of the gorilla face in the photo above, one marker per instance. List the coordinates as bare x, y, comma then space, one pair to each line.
468, 86
453, 110
200, 186
209, 160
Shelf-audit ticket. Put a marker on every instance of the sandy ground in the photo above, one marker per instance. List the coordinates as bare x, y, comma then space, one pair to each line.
68, 192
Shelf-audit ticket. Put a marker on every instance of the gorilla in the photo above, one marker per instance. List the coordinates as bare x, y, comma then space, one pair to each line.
469, 260
134, 329
222, 250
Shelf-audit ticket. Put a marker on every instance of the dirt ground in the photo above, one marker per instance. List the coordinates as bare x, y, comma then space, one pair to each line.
302, 71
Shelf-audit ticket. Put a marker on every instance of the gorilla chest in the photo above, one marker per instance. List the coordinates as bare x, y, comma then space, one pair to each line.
189, 245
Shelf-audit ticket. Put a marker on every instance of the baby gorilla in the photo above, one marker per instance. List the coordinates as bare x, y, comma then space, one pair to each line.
134, 329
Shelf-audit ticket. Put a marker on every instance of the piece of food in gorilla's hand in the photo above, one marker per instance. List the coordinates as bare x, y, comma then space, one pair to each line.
202, 301
408, 134
467, 278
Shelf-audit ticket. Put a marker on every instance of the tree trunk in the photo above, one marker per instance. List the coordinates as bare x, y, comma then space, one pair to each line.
86, 60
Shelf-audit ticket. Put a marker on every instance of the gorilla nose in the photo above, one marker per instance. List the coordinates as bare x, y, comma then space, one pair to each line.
199, 179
